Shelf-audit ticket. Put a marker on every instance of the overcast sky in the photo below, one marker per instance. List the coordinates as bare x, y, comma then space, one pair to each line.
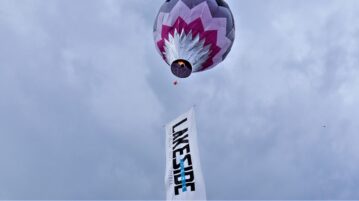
84, 96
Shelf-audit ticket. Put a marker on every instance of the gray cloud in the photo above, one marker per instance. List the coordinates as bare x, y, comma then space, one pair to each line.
84, 96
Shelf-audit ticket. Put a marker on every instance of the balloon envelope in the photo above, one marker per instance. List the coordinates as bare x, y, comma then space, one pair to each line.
194, 35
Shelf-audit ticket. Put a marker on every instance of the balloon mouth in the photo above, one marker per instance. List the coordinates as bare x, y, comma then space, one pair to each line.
181, 68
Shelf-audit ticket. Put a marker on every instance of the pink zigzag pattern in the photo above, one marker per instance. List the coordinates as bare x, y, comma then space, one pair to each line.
196, 27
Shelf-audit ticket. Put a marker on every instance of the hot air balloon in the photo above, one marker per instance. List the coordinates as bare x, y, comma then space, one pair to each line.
194, 35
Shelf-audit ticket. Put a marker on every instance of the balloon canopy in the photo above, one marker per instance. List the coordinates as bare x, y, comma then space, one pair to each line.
194, 35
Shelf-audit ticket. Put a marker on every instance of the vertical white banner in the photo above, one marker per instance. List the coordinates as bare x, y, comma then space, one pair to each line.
184, 179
